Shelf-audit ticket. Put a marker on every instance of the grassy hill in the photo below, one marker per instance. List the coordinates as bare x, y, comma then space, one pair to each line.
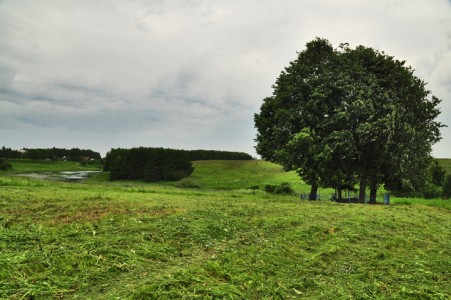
125, 240
26, 165
229, 174
446, 164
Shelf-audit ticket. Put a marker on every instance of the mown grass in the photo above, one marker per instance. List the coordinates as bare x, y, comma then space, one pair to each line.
123, 240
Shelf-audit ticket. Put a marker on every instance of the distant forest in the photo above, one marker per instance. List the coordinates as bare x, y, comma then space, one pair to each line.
73, 154
216, 155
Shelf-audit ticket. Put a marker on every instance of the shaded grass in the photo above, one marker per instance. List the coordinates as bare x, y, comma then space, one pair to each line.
119, 240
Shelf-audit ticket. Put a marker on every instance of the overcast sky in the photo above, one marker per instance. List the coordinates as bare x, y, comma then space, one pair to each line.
186, 74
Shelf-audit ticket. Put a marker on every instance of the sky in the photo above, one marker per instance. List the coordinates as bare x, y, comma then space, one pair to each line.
187, 74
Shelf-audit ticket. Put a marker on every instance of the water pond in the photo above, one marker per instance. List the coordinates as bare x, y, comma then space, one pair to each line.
68, 176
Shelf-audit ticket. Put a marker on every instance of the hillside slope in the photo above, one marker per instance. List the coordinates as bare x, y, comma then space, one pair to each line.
235, 174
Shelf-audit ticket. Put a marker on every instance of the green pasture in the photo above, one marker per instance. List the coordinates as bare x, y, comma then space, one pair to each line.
25, 165
134, 240
243, 174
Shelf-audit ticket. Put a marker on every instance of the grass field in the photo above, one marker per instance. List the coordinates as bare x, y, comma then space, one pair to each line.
446, 164
125, 240
23, 166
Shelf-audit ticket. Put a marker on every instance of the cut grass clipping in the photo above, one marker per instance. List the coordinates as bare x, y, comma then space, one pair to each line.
104, 240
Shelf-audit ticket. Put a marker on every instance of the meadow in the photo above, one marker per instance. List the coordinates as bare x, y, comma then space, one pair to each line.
222, 240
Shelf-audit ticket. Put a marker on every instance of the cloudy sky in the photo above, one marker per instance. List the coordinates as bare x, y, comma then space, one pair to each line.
186, 73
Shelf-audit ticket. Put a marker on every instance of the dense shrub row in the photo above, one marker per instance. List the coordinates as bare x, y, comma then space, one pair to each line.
73, 154
217, 155
148, 164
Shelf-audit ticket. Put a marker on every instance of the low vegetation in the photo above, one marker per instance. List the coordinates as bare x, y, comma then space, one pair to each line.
4, 165
220, 240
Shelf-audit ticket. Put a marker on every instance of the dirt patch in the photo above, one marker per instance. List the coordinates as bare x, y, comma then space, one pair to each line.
95, 213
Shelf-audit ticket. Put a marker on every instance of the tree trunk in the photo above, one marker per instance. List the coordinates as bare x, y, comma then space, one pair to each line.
373, 193
362, 189
313, 191
339, 193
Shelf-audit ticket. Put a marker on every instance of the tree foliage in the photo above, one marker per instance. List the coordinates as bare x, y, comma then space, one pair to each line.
216, 155
447, 187
343, 115
74, 154
148, 164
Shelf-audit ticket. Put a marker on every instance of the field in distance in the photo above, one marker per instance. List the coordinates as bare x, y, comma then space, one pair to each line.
108, 240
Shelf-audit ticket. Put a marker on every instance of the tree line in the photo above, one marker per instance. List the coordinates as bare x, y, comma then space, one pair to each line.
345, 117
159, 164
73, 154
216, 155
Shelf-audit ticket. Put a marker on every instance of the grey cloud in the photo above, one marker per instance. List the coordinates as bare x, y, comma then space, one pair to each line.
140, 71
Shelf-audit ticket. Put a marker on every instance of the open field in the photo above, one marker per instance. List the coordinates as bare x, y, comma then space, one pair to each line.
125, 240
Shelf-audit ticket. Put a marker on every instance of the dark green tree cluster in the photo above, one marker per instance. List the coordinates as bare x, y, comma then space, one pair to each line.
148, 164
10, 153
217, 155
73, 154
344, 116
446, 193
440, 183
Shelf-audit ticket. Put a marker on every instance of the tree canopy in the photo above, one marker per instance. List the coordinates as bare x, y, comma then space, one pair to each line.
341, 116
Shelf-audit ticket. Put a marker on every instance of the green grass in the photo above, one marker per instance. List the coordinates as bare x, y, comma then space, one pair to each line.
244, 174
25, 165
124, 240
446, 164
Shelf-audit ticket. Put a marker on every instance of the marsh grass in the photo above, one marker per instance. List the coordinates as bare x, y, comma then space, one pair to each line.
128, 240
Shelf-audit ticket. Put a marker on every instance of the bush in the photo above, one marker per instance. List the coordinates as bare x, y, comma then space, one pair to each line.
283, 189
431, 191
269, 188
447, 187
5, 165
187, 184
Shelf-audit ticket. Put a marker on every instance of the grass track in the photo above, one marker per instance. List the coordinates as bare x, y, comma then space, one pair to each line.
127, 240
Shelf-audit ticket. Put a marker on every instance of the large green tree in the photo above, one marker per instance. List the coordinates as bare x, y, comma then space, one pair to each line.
337, 115
291, 123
